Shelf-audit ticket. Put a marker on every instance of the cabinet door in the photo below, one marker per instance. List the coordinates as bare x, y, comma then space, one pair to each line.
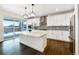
58, 35
51, 34
64, 35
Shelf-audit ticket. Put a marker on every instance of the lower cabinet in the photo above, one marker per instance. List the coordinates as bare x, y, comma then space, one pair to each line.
58, 34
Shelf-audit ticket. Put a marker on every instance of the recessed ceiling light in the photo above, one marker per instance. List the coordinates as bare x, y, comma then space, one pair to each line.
57, 9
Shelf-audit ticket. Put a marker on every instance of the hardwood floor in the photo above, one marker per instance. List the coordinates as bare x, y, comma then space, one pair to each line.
55, 47
14, 47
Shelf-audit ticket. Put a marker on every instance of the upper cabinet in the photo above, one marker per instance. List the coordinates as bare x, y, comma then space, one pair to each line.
59, 20
34, 21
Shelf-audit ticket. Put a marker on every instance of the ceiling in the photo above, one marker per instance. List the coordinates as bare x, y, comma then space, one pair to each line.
39, 9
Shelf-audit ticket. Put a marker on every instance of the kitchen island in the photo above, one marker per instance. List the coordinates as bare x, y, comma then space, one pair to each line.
36, 39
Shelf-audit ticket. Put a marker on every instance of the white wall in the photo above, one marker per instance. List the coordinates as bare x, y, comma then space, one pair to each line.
59, 20
1, 29
76, 29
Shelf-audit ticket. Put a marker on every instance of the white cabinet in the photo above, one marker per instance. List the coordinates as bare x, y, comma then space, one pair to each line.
59, 20
58, 35
51, 34
34, 39
34, 21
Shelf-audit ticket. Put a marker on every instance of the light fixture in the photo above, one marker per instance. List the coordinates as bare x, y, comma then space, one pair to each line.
57, 9
25, 16
32, 14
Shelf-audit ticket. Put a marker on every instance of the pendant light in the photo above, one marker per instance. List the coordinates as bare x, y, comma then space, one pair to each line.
25, 16
32, 14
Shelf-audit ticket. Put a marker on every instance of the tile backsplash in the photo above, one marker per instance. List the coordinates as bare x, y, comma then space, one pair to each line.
52, 28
